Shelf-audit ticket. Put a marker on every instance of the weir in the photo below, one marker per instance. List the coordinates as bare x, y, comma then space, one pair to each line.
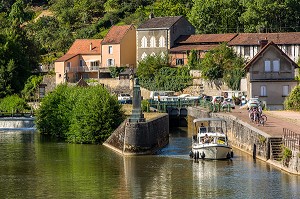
17, 123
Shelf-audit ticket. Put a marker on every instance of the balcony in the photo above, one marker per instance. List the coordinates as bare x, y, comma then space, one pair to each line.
84, 69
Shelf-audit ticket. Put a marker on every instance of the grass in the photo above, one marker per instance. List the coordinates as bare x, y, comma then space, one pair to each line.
128, 109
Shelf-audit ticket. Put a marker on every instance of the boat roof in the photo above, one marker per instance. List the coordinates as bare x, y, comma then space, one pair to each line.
212, 134
208, 119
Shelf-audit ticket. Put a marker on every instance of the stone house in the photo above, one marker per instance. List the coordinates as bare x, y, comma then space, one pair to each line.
270, 75
158, 34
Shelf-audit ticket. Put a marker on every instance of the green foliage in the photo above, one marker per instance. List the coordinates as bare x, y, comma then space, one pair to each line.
216, 16
145, 106
13, 103
31, 86
222, 62
79, 114
292, 102
155, 74
115, 71
193, 61
171, 7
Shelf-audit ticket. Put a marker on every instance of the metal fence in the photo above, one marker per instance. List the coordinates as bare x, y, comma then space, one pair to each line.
291, 139
162, 106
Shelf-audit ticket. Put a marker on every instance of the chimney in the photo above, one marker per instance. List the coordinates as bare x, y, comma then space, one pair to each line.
91, 46
263, 42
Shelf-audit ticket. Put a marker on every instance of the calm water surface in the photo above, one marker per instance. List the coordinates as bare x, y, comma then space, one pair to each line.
32, 167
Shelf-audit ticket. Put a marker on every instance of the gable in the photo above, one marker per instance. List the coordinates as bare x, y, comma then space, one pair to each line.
270, 51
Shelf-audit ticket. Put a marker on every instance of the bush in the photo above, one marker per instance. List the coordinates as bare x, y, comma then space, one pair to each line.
292, 102
13, 103
79, 114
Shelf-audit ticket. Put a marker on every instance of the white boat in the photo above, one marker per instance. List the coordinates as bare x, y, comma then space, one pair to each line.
210, 141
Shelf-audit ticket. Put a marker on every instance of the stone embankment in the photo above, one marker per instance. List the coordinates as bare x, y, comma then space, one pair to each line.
257, 140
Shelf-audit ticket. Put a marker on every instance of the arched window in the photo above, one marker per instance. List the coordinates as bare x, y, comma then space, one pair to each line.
144, 42
162, 54
152, 54
144, 55
162, 41
152, 42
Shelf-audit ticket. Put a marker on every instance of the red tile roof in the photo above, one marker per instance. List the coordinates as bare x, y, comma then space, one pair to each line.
277, 38
82, 47
116, 34
184, 48
260, 53
206, 38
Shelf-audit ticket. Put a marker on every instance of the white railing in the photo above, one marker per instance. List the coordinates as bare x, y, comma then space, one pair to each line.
84, 69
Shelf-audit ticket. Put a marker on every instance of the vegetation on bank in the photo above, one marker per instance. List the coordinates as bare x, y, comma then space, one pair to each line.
155, 73
79, 114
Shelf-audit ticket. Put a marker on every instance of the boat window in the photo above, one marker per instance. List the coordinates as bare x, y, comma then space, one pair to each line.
202, 129
211, 129
219, 129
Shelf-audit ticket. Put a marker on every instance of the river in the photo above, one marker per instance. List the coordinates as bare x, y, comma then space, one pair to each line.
34, 167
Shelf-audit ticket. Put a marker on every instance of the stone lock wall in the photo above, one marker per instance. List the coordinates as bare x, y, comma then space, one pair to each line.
140, 138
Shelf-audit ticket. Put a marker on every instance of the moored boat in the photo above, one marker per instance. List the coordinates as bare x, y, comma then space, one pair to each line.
210, 141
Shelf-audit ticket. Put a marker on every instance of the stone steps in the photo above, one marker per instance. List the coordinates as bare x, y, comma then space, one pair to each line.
276, 148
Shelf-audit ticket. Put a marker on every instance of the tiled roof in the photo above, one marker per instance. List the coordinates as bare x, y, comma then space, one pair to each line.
277, 38
82, 47
184, 48
206, 38
263, 50
159, 22
116, 34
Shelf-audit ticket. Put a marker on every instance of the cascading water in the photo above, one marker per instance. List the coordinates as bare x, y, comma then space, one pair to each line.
17, 123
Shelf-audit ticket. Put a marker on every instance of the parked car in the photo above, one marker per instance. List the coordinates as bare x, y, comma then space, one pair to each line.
124, 98
253, 102
229, 101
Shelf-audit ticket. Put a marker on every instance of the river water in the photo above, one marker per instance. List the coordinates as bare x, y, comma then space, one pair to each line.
34, 167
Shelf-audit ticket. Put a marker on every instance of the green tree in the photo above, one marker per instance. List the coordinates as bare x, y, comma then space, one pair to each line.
31, 86
79, 115
216, 16
172, 7
222, 63
292, 102
13, 103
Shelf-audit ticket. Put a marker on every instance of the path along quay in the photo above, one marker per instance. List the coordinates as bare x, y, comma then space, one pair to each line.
278, 123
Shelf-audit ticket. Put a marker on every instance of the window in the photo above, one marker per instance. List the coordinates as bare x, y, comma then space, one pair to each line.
110, 50
276, 66
68, 66
263, 90
81, 63
246, 50
144, 42
162, 54
110, 62
153, 54
179, 62
267, 66
144, 55
95, 63
285, 91
161, 41
152, 42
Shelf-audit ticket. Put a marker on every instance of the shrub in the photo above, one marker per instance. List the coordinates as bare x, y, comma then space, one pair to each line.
13, 103
79, 114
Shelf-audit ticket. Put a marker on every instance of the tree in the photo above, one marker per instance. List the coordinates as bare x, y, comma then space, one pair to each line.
155, 73
31, 86
222, 63
216, 16
292, 102
79, 114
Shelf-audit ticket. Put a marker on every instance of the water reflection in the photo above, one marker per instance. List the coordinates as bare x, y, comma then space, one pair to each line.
33, 167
